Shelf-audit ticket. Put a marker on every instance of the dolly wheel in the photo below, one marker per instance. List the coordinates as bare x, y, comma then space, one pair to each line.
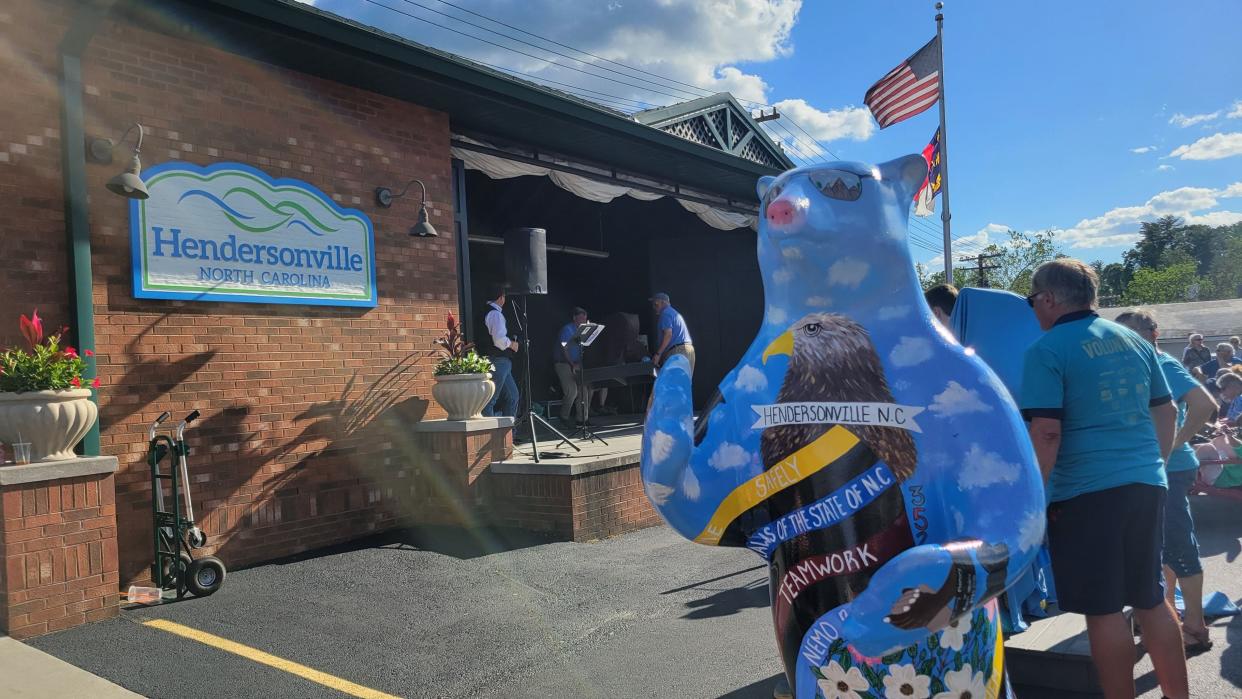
204, 576
174, 574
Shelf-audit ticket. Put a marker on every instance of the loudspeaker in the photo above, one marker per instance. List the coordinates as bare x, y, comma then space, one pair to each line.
526, 261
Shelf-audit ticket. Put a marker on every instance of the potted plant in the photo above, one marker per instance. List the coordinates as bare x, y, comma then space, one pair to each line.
43, 401
463, 377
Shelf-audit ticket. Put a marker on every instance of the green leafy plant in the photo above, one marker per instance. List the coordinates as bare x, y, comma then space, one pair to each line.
458, 355
46, 366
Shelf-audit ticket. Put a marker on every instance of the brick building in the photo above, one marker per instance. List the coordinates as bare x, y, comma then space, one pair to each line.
306, 437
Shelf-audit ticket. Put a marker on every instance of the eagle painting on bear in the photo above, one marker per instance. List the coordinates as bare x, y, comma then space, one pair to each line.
879, 468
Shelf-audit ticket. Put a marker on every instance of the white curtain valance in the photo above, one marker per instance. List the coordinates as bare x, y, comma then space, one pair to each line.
499, 168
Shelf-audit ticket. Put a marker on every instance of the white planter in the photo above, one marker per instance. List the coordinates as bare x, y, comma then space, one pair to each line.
52, 421
463, 395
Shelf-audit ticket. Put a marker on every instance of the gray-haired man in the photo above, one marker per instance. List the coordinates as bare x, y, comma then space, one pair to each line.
1102, 424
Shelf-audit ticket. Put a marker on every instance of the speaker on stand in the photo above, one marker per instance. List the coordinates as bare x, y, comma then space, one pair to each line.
526, 274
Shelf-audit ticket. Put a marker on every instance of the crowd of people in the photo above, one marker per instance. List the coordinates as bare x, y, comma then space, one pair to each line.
1114, 422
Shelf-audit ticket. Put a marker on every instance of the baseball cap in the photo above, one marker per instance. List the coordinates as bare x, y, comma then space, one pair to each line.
659, 296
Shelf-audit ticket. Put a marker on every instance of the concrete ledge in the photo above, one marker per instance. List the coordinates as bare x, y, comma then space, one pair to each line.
567, 466
57, 470
478, 424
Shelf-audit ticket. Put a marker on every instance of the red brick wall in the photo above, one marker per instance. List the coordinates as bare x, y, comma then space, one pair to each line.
302, 406
58, 553
589, 506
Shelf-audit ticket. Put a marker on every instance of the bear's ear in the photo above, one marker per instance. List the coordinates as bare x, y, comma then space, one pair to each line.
764, 184
905, 175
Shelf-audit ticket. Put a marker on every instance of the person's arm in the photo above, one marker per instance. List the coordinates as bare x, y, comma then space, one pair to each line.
1164, 417
1046, 438
1199, 409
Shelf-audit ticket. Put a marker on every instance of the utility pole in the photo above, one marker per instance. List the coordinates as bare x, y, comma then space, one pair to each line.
981, 267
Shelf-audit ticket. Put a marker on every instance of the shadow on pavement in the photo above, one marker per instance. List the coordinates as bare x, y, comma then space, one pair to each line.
756, 690
448, 541
753, 595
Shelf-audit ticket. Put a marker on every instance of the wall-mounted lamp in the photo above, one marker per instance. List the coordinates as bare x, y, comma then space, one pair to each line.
422, 229
128, 183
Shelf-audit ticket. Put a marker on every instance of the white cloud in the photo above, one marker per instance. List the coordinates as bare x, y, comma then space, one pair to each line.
956, 399
777, 315
893, 312
854, 123
1120, 226
911, 351
1031, 530
1236, 111
750, 379
818, 301
658, 493
660, 446
982, 468
1143, 149
727, 456
1220, 145
690, 486
1214, 218
1182, 120
848, 271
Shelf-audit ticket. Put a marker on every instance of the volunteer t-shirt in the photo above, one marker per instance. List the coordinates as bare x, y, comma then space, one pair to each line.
1101, 380
1180, 383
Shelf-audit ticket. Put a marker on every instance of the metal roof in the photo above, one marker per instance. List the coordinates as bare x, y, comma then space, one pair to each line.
476, 98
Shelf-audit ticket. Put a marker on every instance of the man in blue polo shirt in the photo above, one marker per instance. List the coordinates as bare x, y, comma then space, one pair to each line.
1181, 548
671, 332
1102, 424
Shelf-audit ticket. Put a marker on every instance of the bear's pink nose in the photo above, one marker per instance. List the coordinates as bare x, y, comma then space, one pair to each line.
782, 212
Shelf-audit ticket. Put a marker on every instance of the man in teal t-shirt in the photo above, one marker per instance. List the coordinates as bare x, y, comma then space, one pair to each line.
1102, 423
1181, 548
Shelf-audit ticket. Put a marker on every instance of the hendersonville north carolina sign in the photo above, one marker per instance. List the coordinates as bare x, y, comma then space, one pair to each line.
229, 232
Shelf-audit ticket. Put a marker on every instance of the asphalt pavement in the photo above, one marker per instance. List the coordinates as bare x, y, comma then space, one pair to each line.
445, 614
434, 614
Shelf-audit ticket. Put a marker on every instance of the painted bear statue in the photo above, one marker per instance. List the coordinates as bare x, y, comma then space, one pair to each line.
881, 469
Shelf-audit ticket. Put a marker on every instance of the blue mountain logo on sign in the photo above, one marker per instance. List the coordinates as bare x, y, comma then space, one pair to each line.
229, 232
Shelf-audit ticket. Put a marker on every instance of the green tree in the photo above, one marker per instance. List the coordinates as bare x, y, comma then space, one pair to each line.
1171, 284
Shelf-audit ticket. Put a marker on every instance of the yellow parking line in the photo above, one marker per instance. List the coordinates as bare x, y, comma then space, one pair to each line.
306, 673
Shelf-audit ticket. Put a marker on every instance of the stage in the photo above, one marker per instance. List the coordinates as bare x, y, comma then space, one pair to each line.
592, 494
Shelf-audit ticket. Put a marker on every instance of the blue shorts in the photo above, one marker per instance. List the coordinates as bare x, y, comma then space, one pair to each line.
1181, 547
1105, 549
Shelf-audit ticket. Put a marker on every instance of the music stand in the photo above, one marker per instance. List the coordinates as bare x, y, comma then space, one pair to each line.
583, 337
531, 418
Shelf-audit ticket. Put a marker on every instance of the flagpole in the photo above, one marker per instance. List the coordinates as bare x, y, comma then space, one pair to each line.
944, 155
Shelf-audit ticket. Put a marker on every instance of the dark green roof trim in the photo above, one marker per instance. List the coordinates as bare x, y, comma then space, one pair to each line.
663, 117
478, 99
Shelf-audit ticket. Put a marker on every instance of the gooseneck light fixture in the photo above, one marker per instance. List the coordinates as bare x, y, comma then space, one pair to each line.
422, 229
128, 183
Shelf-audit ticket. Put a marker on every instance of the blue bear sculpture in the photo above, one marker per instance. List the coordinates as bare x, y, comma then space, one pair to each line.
880, 469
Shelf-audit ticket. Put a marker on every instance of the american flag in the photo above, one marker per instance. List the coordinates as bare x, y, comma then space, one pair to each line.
908, 89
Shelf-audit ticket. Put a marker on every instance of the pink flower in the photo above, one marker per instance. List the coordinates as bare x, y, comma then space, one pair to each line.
70, 352
88, 353
95, 383
32, 328
76, 382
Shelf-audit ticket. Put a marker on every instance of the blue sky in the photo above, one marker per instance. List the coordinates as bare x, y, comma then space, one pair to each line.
1047, 103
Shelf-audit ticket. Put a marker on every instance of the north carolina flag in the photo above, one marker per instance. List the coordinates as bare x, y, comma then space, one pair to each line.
925, 198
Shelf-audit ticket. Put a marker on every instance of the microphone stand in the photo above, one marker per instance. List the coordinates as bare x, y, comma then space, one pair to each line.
531, 418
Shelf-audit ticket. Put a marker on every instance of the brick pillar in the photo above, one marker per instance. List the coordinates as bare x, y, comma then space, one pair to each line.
453, 455
58, 550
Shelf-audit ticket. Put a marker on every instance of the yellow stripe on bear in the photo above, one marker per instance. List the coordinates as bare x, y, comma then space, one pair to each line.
793, 469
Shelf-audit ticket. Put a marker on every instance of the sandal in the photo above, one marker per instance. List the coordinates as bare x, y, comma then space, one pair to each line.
1196, 642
